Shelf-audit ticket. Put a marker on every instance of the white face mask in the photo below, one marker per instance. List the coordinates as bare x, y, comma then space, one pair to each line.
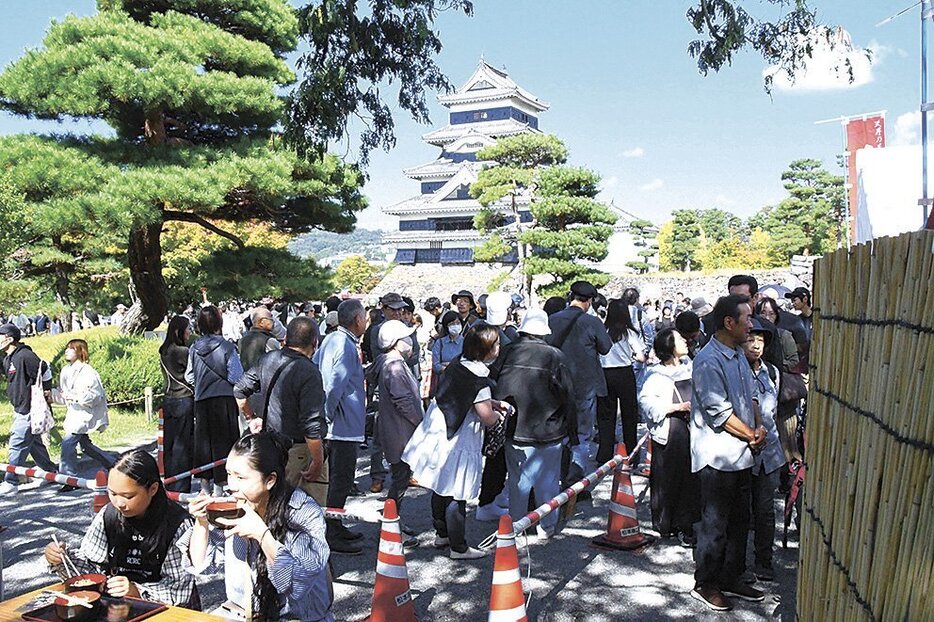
455, 329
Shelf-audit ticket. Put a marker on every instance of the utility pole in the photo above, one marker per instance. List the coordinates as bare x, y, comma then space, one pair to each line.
927, 12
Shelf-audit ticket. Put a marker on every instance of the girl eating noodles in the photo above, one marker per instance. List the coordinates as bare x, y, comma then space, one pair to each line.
275, 554
134, 539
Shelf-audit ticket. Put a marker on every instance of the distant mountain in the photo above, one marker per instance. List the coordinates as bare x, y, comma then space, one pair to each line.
323, 244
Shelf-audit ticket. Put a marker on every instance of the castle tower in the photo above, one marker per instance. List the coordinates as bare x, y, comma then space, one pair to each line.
437, 225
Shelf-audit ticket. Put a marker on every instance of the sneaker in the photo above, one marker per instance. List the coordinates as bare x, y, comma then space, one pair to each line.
746, 592
343, 547
441, 543
470, 553
712, 597
6, 488
764, 572
747, 577
376, 486
67, 488
410, 543
688, 542
355, 492
490, 512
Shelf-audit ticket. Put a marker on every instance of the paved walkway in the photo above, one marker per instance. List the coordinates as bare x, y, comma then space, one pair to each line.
569, 580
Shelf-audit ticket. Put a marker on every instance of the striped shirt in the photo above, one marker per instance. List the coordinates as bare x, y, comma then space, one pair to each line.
177, 587
299, 572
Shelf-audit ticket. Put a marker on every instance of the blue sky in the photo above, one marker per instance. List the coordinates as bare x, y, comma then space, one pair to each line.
628, 100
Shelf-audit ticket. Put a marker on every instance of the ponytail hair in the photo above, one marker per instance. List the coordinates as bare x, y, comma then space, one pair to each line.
268, 453
154, 523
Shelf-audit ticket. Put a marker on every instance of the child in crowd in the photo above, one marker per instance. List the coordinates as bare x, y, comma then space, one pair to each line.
134, 539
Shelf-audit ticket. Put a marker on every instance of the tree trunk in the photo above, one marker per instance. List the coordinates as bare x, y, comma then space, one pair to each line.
144, 256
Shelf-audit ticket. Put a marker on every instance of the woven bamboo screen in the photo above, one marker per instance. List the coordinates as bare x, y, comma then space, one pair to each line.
867, 542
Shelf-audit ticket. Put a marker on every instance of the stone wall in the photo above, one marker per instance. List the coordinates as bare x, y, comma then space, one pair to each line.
424, 280
664, 285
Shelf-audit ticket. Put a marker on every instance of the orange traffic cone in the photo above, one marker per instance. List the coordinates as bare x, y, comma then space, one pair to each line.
622, 529
392, 600
100, 498
647, 467
507, 603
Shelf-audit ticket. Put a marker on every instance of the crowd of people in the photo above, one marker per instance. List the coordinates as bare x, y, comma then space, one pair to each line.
473, 399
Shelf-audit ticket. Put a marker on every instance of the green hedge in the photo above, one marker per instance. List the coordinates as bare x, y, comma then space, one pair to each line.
127, 364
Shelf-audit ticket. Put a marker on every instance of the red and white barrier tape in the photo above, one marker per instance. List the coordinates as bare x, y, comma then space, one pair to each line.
550, 506
195, 471
37, 473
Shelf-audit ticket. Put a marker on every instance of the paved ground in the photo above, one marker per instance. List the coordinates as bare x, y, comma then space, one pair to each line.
569, 580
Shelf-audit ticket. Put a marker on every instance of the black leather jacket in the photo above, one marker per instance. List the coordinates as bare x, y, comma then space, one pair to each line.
534, 377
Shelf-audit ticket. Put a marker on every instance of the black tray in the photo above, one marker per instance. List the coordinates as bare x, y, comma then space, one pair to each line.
136, 609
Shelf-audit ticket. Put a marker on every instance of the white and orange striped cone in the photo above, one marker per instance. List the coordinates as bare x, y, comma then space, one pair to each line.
392, 599
622, 529
160, 444
647, 465
507, 603
100, 498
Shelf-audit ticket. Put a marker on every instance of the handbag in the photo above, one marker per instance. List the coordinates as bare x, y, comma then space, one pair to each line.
494, 437
792, 388
40, 414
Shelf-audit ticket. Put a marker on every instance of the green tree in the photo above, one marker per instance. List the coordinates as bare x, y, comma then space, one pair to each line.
570, 229
788, 42
719, 225
806, 222
643, 233
680, 249
189, 87
355, 274
518, 158
355, 52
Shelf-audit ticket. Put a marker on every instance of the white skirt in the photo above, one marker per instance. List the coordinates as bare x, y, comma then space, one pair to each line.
449, 467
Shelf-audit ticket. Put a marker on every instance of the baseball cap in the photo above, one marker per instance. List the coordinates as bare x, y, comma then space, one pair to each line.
583, 289
11, 330
392, 300
392, 331
799, 292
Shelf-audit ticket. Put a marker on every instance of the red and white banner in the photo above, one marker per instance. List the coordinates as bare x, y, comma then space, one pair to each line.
860, 133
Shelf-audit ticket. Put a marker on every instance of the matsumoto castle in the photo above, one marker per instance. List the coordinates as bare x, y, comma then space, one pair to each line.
437, 225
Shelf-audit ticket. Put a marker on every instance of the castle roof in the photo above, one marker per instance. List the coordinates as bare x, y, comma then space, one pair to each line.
491, 84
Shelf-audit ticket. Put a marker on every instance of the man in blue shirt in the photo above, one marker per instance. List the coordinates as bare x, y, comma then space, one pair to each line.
338, 359
726, 430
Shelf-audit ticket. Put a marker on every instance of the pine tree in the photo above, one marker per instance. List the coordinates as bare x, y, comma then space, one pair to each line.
643, 233
189, 88
570, 229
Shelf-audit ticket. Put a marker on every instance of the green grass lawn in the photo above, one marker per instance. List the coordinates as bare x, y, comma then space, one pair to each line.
127, 428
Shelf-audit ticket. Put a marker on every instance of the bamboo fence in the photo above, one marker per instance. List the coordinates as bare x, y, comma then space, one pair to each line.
867, 541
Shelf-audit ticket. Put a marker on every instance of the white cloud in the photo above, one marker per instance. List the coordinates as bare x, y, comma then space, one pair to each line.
827, 68
721, 200
652, 186
635, 152
906, 130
